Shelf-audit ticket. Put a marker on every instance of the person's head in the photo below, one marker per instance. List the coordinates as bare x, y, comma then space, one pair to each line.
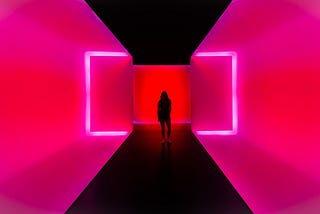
164, 95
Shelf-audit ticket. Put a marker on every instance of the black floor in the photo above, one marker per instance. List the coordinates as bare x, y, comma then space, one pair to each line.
145, 177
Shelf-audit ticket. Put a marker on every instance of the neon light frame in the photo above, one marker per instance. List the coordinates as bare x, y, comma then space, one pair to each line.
88, 56
141, 122
234, 130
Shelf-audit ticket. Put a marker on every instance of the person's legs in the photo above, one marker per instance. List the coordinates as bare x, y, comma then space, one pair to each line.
162, 130
168, 122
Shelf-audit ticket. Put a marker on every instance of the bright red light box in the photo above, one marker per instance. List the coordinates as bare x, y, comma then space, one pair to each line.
150, 81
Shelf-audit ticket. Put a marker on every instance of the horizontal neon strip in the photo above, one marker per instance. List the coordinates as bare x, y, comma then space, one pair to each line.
156, 122
223, 53
105, 53
224, 132
108, 133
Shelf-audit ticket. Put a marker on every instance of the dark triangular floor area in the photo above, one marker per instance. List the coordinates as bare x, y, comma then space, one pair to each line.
145, 177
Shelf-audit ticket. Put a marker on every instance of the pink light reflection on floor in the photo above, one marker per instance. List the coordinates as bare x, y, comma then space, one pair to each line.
257, 175
53, 184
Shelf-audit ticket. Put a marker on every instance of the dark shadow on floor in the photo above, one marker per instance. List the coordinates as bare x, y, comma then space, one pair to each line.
144, 176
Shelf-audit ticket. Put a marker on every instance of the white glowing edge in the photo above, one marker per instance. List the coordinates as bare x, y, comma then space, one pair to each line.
88, 55
234, 130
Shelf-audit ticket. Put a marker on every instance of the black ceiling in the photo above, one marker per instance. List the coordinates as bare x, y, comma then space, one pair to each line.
163, 32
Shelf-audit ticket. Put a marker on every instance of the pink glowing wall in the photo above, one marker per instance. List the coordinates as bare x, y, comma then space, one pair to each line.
277, 44
42, 84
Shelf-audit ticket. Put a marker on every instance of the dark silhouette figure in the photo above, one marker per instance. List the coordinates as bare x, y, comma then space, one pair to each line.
164, 110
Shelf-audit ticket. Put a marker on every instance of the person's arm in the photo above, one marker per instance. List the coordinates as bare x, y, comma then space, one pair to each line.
159, 107
169, 106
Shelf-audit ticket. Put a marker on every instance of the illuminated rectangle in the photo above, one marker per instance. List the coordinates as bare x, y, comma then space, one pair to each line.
234, 128
122, 92
150, 81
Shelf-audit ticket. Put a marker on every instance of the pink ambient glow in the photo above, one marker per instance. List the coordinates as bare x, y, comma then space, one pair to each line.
88, 56
234, 93
46, 157
273, 161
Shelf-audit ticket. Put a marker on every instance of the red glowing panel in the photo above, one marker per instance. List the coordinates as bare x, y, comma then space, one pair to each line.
150, 81
214, 93
108, 93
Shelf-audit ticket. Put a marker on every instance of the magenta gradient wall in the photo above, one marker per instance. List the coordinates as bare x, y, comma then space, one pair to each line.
42, 81
277, 44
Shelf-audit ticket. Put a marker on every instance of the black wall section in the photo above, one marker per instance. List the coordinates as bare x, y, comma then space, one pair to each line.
160, 31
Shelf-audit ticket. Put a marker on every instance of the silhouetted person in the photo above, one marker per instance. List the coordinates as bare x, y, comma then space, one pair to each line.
164, 110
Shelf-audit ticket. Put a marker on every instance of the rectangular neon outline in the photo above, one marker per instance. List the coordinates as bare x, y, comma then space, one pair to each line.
88, 54
234, 130
140, 122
